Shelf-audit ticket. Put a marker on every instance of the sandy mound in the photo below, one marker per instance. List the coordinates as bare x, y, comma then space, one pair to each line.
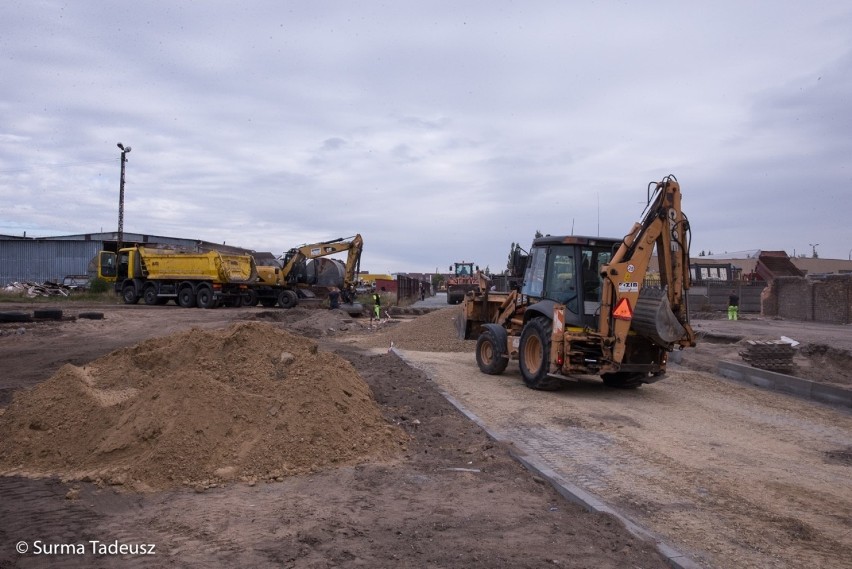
197, 408
433, 332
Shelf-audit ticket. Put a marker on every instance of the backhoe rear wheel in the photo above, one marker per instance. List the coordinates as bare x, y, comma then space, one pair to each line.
534, 355
491, 354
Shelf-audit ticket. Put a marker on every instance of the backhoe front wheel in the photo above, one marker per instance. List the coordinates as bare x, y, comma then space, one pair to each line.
491, 353
534, 355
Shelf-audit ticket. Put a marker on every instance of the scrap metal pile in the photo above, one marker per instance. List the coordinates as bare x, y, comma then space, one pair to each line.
33, 290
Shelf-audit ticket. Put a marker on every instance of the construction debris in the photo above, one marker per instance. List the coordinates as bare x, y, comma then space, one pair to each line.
32, 290
772, 355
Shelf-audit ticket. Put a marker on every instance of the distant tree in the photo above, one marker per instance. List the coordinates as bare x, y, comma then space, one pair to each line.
437, 281
511, 252
487, 271
538, 234
701, 254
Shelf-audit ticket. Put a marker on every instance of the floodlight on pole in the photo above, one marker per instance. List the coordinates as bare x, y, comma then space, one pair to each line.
813, 249
120, 236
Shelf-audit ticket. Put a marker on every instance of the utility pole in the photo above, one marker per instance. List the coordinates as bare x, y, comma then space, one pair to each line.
120, 237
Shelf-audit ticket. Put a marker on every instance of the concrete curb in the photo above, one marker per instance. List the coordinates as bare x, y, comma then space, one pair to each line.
567, 490
796, 386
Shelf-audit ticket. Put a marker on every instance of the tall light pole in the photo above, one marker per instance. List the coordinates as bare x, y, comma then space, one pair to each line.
813, 249
120, 237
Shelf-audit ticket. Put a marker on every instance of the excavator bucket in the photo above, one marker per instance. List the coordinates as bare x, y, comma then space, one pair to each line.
654, 319
352, 308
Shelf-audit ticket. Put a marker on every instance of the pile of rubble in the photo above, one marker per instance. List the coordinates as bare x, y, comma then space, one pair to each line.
33, 290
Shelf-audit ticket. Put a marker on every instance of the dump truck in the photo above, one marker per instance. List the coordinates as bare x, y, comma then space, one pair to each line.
584, 307
285, 283
156, 276
462, 279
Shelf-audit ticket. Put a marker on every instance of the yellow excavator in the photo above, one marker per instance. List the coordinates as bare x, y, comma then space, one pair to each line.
283, 285
584, 307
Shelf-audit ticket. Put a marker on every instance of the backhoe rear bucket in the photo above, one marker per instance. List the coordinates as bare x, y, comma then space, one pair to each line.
654, 319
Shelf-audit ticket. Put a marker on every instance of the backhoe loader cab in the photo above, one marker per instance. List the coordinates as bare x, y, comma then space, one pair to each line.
566, 271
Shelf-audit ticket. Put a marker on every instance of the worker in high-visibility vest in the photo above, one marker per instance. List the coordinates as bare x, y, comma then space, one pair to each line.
733, 306
377, 304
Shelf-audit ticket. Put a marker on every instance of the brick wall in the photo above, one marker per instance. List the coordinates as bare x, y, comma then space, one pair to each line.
799, 298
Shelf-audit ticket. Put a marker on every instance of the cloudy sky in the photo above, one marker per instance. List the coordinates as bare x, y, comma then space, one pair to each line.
439, 130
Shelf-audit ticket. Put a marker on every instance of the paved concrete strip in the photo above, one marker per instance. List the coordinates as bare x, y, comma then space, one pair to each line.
796, 386
534, 463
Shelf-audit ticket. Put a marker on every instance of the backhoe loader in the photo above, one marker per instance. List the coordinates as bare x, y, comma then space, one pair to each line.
584, 308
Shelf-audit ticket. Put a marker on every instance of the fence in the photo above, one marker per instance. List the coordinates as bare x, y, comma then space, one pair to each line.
713, 297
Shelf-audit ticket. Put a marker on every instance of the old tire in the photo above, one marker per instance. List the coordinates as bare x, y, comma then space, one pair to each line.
287, 299
149, 295
205, 298
186, 297
128, 294
47, 314
91, 315
14, 317
623, 379
534, 355
491, 354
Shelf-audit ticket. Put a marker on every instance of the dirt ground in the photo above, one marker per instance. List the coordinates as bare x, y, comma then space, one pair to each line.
731, 475
448, 497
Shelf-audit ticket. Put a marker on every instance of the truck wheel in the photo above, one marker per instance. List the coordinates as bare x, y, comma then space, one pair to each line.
185, 297
128, 294
490, 354
623, 379
534, 355
150, 295
287, 299
250, 298
205, 298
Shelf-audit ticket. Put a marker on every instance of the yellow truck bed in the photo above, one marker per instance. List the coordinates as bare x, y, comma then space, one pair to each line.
213, 265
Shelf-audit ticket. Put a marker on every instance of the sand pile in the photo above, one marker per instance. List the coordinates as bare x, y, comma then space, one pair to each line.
433, 332
251, 402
